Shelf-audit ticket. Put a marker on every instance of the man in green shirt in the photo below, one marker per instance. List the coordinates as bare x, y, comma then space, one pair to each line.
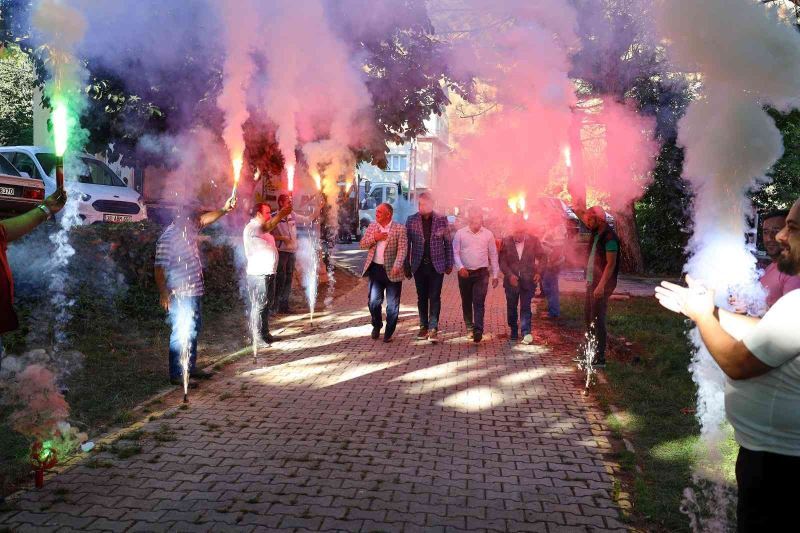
602, 269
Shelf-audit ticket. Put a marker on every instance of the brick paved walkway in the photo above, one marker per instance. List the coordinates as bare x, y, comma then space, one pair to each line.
334, 431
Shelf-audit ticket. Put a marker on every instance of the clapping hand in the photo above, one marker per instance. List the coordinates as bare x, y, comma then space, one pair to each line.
694, 301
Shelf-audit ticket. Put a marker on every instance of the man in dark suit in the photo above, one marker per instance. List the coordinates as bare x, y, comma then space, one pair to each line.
429, 258
521, 258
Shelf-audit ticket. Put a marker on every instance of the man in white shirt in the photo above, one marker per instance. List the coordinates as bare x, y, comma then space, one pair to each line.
262, 263
762, 395
475, 257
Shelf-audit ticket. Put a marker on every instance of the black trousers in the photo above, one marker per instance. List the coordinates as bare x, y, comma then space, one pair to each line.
766, 491
595, 310
380, 284
473, 291
429, 295
283, 281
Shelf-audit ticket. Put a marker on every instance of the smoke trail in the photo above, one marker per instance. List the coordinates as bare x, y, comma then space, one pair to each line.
39, 411
61, 28
748, 57
240, 27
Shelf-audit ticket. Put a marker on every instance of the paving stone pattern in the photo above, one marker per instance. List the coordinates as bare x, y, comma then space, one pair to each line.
334, 431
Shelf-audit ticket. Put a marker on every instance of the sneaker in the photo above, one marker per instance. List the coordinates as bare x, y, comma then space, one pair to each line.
422, 333
470, 334
376, 333
433, 336
269, 339
200, 374
477, 336
527, 339
179, 382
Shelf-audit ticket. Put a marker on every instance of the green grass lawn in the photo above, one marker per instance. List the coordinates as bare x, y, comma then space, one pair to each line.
656, 395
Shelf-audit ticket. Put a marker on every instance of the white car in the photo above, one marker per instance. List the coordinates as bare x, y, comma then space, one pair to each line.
102, 196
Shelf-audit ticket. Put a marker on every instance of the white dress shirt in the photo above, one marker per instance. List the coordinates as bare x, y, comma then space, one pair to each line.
520, 246
380, 251
475, 250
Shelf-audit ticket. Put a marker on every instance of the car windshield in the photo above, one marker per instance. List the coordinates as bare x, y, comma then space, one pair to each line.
96, 172
7, 168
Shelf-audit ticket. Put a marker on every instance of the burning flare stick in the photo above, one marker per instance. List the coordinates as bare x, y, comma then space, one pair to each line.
60, 129
237, 172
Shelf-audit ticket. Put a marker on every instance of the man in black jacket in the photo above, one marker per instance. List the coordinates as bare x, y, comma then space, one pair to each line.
521, 258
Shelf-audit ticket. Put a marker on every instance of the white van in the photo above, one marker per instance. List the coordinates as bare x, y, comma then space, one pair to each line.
102, 196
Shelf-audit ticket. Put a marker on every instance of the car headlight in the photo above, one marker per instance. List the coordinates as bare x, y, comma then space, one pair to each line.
86, 197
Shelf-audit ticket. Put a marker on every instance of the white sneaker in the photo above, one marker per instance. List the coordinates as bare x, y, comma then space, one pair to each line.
527, 339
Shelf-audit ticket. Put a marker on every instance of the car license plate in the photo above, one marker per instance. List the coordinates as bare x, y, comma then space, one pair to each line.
117, 218
7, 191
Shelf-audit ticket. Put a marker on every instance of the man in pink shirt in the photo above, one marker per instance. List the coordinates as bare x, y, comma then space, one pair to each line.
775, 282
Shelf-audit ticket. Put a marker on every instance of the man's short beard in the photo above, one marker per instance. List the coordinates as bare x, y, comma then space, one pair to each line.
788, 264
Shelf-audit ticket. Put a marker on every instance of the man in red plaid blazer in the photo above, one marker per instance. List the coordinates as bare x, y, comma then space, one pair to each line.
387, 243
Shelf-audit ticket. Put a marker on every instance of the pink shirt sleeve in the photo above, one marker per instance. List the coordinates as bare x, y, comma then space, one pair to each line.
792, 283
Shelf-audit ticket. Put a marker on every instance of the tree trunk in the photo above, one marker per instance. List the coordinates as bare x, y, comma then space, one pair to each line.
631, 261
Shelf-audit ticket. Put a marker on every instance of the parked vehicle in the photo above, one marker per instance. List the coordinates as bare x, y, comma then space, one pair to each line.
18, 192
101, 195
371, 195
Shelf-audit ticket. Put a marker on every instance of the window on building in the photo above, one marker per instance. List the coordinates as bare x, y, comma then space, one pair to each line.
397, 162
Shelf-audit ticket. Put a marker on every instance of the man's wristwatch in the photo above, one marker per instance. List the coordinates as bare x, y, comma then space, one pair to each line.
46, 210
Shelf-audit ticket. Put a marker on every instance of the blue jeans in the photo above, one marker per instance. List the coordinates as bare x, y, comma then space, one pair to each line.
517, 297
184, 317
550, 290
429, 295
473, 291
379, 284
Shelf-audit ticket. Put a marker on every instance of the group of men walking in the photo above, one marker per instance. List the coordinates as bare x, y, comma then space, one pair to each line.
425, 249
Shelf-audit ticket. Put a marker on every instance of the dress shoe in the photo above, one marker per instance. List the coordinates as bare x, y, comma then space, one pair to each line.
376, 332
422, 333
